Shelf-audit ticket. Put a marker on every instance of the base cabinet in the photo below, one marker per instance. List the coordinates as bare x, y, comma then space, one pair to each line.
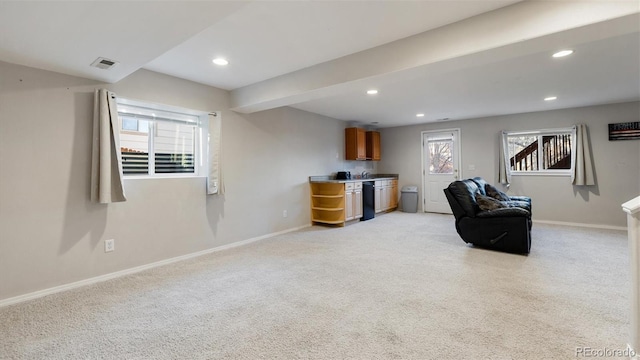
327, 203
386, 193
336, 203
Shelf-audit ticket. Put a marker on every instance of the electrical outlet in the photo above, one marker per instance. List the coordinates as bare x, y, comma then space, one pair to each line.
284, 213
109, 245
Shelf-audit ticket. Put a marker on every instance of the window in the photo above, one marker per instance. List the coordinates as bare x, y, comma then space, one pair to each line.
440, 156
540, 152
160, 140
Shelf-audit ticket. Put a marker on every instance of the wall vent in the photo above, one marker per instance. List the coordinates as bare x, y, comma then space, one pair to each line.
104, 63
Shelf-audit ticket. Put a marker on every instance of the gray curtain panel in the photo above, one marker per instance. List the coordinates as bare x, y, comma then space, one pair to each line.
583, 174
504, 169
106, 165
214, 179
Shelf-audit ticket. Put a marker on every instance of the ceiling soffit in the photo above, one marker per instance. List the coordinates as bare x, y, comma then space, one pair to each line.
508, 31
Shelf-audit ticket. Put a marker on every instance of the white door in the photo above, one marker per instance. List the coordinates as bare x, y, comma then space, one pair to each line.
441, 166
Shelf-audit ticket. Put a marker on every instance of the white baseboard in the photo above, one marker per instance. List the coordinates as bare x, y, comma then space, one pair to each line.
105, 277
593, 226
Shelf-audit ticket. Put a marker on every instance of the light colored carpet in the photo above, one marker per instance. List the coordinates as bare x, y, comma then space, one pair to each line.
402, 286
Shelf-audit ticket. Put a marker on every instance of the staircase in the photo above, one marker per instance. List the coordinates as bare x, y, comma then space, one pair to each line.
136, 162
556, 154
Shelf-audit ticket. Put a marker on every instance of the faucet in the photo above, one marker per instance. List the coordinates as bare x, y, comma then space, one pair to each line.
365, 175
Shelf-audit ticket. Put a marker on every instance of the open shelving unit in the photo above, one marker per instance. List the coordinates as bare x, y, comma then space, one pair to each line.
327, 203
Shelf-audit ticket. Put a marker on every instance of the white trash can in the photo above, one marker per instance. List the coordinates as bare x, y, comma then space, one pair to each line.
409, 198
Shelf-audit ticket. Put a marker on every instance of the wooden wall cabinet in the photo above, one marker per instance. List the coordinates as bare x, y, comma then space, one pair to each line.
361, 144
373, 145
355, 144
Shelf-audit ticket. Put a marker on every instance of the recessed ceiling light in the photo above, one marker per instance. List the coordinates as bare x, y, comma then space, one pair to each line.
563, 53
220, 61
550, 98
372, 92
420, 115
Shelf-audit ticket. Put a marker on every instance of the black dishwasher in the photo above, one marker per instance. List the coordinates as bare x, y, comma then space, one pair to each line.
368, 200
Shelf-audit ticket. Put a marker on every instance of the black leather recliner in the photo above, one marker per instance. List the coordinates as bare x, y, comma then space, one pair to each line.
506, 229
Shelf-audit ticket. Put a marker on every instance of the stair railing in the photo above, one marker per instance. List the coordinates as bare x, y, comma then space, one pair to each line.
556, 154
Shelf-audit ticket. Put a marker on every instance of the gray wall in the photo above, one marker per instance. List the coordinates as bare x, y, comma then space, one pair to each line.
617, 163
50, 232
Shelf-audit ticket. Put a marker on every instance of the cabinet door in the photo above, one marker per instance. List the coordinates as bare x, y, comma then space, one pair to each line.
348, 205
373, 145
378, 196
357, 204
385, 197
355, 144
362, 144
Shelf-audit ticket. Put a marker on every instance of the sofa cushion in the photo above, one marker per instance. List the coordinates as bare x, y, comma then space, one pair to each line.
487, 203
493, 192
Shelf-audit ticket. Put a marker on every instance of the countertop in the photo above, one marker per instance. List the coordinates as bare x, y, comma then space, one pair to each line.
332, 178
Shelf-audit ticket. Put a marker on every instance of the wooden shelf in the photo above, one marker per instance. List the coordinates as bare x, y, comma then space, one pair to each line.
328, 203
332, 202
328, 221
332, 217
327, 189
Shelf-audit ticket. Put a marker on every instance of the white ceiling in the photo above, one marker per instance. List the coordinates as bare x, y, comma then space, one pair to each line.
599, 72
270, 38
447, 59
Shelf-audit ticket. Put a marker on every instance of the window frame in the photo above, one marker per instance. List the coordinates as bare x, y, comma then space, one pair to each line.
571, 131
199, 119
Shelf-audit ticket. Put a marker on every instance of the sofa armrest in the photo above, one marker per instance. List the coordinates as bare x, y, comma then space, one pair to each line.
504, 212
521, 198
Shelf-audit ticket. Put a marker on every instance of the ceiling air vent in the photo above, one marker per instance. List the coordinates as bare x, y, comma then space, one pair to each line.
104, 63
